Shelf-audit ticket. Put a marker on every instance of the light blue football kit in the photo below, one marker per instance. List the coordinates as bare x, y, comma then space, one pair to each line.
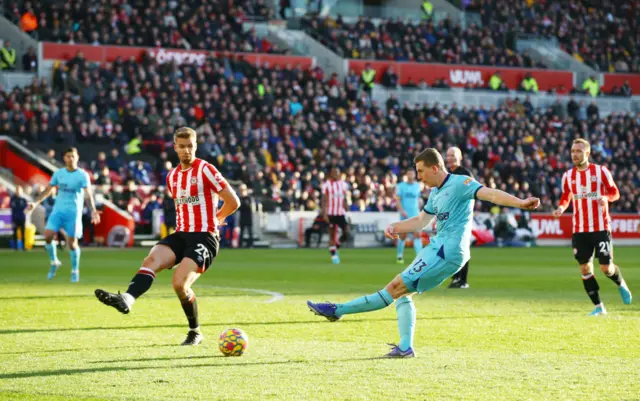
452, 205
67, 214
409, 194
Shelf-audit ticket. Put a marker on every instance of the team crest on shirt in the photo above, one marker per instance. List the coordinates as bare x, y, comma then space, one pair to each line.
194, 180
467, 181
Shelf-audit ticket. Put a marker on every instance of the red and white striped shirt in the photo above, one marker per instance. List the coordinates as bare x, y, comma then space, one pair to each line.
194, 191
586, 188
335, 192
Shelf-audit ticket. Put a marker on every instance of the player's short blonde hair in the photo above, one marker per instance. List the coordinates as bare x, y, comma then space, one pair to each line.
184, 132
430, 157
587, 145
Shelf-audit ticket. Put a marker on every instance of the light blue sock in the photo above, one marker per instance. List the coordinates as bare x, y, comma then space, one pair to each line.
417, 244
400, 247
75, 259
368, 303
406, 321
51, 251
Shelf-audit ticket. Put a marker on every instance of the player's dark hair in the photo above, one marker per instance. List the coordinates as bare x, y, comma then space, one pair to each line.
71, 150
430, 157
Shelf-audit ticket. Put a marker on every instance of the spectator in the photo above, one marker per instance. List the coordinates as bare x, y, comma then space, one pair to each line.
30, 61
246, 217
427, 9
591, 86
18, 218
390, 78
529, 84
368, 78
7, 57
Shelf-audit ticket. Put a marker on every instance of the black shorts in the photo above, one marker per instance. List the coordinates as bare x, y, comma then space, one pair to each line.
340, 221
585, 243
202, 248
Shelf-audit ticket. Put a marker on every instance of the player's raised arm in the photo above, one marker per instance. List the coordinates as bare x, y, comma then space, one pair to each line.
411, 225
504, 199
565, 198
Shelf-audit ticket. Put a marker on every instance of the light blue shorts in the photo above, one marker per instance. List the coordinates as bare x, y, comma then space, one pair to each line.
71, 223
428, 270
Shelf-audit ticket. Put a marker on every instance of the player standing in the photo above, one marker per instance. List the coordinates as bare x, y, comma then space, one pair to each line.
591, 187
454, 164
408, 198
334, 209
451, 202
195, 186
73, 186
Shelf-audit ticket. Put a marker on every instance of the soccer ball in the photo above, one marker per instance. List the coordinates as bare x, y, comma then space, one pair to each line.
233, 342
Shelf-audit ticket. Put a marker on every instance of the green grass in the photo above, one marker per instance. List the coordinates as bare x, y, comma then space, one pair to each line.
519, 333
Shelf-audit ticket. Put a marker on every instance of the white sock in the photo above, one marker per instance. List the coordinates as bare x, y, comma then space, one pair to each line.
128, 298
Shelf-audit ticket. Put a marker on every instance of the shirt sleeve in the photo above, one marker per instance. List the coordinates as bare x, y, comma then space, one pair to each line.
566, 191
168, 184
214, 179
86, 181
54, 179
428, 208
469, 188
399, 190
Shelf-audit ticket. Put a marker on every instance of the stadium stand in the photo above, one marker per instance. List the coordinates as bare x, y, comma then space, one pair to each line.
279, 129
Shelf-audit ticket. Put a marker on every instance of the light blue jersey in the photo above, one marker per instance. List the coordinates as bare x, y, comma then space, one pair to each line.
71, 185
409, 194
67, 210
452, 204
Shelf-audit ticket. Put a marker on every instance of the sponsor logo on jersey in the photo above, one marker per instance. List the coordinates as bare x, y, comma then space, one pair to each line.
190, 200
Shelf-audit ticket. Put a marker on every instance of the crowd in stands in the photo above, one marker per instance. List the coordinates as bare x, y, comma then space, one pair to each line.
191, 24
278, 129
420, 41
603, 34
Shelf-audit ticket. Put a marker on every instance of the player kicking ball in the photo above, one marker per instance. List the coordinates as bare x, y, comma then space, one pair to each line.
195, 186
451, 202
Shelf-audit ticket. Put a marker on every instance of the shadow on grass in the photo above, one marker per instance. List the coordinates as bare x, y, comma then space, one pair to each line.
227, 324
161, 326
61, 350
213, 364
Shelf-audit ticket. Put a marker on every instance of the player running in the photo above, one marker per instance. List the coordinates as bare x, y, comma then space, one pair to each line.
591, 187
451, 202
408, 197
73, 186
195, 186
334, 209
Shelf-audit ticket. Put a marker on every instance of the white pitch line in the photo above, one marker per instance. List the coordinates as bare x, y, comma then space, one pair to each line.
275, 296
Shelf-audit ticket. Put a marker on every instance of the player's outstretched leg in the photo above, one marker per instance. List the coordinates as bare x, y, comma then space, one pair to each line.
368, 303
183, 278
161, 257
613, 272
74, 251
51, 249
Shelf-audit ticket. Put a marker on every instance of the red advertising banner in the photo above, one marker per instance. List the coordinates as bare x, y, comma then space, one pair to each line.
611, 80
461, 75
55, 51
548, 227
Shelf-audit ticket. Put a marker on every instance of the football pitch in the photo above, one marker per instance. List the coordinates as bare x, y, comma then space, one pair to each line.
519, 333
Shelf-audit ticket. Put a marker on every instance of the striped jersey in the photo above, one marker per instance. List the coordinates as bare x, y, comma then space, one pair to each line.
194, 192
585, 188
336, 192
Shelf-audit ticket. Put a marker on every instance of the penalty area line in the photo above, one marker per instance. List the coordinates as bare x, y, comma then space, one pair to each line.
275, 296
